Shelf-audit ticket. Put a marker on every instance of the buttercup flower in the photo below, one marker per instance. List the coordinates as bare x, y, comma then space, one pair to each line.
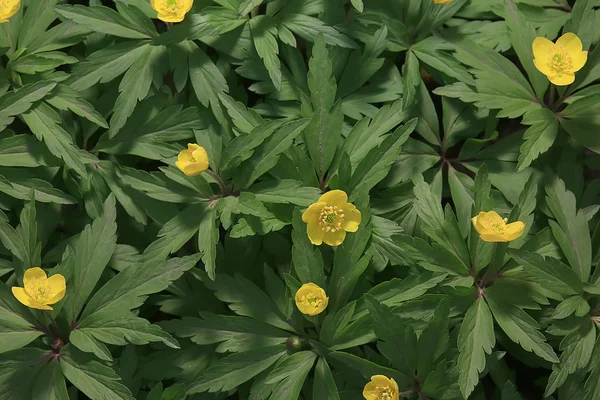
492, 228
442, 1
330, 218
311, 299
39, 290
559, 61
171, 10
381, 388
8, 8
192, 161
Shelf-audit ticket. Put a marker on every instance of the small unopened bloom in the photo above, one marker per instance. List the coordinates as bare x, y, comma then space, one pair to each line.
171, 10
39, 291
330, 218
442, 1
381, 388
8, 8
493, 228
193, 160
311, 299
559, 61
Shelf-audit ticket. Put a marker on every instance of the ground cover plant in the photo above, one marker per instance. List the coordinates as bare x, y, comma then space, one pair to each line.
299, 199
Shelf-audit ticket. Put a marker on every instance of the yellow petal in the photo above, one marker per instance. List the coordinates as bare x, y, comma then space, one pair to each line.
477, 223
541, 47
571, 42
315, 233
181, 165
351, 218
562, 79
579, 60
193, 147
542, 65
335, 198
184, 156
312, 213
193, 169
200, 155
26, 299
514, 230
33, 274
493, 237
58, 286
9, 9
442, 1
334, 238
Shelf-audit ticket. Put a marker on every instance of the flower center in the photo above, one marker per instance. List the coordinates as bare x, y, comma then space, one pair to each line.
559, 59
190, 157
497, 226
40, 290
172, 6
386, 393
311, 299
331, 219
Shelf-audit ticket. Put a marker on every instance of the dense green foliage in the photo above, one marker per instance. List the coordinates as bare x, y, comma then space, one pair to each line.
183, 287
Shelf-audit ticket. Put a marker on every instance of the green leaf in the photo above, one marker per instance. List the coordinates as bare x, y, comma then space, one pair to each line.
102, 19
433, 340
358, 4
245, 119
583, 22
232, 333
324, 132
17, 328
509, 392
106, 64
285, 191
539, 137
130, 287
208, 238
475, 339
548, 272
134, 87
248, 5
522, 34
89, 344
264, 32
574, 304
95, 380
570, 228
93, 250
378, 162
65, 98
365, 367
577, 348
267, 155
324, 386
44, 123
121, 330
206, 79
398, 342
17, 370
19, 101
233, 370
309, 28
306, 258
246, 299
289, 375
520, 327
577, 119
50, 383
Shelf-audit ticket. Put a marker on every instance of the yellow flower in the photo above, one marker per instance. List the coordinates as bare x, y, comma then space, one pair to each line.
39, 290
559, 61
171, 10
8, 8
311, 299
442, 1
330, 218
192, 161
381, 388
492, 228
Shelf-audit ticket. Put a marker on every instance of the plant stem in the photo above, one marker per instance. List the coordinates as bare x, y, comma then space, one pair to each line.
552, 96
217, 178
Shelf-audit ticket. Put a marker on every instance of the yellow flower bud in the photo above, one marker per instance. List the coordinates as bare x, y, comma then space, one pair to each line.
492, 228
559, 61
311, 299
39, 291
192, 161
171, 10
442, 1
330, 218
381, 388
8, 8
